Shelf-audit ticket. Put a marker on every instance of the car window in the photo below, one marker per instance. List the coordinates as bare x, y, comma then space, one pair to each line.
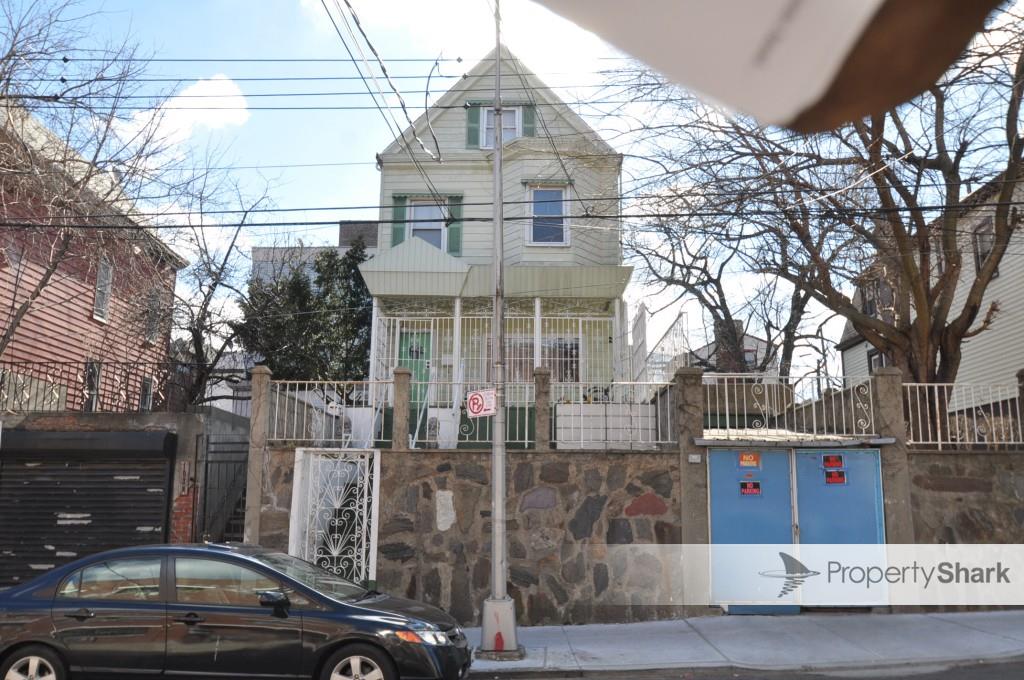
125, 579
204, 581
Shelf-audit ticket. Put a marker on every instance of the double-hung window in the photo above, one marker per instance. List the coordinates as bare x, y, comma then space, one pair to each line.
511, 126
549, 223
426, 221
984, 243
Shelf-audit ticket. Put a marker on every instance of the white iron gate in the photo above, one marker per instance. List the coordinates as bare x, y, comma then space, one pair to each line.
335, 496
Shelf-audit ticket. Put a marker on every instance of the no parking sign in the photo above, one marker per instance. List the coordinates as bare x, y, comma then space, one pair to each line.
480, 403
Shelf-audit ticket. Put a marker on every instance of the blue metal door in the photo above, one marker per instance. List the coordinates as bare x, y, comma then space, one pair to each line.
839, 496
751, 502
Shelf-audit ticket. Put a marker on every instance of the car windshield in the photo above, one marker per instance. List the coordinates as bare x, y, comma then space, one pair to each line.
312, 576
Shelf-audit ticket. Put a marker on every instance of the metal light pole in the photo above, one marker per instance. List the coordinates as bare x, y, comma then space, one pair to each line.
499, 613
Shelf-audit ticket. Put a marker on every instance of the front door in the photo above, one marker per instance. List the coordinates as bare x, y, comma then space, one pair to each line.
414, 354
217, 628
110, 618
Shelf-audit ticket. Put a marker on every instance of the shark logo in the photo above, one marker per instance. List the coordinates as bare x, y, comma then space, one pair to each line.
795, 573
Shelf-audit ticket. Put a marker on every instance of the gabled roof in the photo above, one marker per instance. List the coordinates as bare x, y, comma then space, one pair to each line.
538, 92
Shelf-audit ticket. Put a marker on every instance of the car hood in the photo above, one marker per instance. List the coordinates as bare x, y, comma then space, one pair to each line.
409, 609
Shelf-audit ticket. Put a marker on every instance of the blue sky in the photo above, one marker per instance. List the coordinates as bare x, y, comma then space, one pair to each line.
236, 29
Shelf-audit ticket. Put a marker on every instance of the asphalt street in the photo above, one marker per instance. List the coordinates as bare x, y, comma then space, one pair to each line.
1009, 671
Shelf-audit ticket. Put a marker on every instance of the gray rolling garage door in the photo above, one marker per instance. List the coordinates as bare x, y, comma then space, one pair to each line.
64, 495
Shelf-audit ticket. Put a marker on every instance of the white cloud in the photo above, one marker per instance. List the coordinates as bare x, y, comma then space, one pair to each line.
212, 103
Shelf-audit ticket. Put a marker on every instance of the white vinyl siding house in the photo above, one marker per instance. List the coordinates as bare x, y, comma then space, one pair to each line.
432, 280
995, 355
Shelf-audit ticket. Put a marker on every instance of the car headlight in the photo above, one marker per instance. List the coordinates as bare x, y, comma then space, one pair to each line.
424, 635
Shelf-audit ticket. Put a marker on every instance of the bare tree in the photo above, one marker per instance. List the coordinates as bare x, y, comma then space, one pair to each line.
884, 202
76, 158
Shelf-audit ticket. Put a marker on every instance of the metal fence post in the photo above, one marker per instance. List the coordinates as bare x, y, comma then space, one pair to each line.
259, 422
1018, 429
542, 407
887, 384
400, 419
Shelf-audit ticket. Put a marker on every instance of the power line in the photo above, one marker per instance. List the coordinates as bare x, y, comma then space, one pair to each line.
347, 93
235, 60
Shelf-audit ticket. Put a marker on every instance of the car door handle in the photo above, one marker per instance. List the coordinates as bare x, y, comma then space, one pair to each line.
189, 619
81, 614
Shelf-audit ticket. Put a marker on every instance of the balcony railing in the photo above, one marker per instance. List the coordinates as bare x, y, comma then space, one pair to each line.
950, 415
744, 406
95, 386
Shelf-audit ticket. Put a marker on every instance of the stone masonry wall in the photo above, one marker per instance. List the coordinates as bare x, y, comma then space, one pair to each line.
968, 497
564, 509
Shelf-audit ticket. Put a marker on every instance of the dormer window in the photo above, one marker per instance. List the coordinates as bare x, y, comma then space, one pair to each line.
511, 126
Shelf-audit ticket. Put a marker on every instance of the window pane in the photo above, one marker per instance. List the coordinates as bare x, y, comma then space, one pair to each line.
199, 581
428, 223
547, 202
431, 236
548, 230
70, 586
137, 579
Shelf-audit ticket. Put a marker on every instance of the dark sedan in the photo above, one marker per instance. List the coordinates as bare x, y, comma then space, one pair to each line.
218, 611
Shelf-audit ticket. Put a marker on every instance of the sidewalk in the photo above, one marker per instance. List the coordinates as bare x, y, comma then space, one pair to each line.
805, 642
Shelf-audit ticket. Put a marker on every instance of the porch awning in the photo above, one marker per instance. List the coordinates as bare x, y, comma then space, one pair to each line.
606, 282
417, 269
414, 267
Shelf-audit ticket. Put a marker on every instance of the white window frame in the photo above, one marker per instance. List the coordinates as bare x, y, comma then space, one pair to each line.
566, 232
413, 224
487, 140
104, 314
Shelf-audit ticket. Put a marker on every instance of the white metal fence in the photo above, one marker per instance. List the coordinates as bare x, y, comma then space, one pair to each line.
438, 415
769, 407
946, 415
342, 414
623, 415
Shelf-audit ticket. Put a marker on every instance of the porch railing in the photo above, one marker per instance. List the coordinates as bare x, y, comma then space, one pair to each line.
99, 386
438, 416
765, 407
629, 415
352, 414
947, 415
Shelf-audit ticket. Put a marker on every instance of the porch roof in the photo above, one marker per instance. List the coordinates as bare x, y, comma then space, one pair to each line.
416, 268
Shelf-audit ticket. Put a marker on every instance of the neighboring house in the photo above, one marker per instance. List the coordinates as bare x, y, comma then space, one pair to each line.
272, 262
432, 278
993, 356
97, 335
758, 355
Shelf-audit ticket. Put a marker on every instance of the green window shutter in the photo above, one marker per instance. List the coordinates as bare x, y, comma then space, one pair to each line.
455, 226
473, 127
529, 121
398, 217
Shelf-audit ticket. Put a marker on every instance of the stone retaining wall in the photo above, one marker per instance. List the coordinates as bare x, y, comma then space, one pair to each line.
564, 510
968, 496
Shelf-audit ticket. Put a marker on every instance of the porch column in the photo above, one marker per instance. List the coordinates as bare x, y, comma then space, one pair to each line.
542, 407
259, 424
887, 387
537, 339
373, 340
457, 349
617, 343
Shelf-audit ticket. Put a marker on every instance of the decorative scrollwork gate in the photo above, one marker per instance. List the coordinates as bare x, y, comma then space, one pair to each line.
335, 496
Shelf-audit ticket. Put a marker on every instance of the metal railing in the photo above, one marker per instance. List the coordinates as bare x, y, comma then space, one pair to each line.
438, 416
749, 406
100, 386
630, 415
948, 415
350, 414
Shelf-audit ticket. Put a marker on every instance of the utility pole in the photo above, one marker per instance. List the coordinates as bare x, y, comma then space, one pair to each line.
499, 638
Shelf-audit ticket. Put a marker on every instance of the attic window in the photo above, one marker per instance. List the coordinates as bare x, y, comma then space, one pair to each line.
511, 126
984, 243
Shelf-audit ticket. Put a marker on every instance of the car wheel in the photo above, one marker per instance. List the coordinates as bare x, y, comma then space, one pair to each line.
33, 663
358, 662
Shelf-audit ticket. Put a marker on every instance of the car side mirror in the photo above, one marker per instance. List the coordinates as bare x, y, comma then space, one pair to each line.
274, 598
